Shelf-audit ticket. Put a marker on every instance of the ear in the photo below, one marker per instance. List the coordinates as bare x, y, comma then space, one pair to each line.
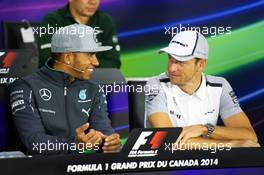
67, 57
202, 63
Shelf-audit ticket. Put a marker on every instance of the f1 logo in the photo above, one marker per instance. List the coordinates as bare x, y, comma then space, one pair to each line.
142, 139
155, 142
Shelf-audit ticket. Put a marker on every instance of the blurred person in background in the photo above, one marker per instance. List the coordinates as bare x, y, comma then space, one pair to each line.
82, 12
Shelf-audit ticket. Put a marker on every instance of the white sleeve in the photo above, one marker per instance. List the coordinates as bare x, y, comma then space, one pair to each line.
229, 104
155, 98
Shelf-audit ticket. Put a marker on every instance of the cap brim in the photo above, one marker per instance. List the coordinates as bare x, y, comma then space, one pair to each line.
98, 49
170, 51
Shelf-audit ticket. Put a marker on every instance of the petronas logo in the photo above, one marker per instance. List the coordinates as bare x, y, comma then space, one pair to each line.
82, 94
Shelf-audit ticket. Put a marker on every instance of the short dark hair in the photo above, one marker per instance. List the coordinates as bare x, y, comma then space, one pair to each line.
197, 60
56, 56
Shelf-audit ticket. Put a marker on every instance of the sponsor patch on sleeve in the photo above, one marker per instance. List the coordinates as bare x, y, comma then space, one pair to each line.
151, 95
151, 92
17, 101
234, 97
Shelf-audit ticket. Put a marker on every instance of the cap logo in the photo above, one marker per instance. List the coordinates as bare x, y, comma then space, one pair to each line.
183, 45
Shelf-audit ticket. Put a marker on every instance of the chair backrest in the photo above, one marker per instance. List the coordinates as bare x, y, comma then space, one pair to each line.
13, 36
136, 102
108, 76
117, 101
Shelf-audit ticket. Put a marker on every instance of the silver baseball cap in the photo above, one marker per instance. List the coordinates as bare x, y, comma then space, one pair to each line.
186, 45
76, 38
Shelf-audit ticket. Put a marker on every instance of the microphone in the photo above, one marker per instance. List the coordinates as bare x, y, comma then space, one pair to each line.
75, 68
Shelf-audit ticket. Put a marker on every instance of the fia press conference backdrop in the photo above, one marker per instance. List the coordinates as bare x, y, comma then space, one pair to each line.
234, 29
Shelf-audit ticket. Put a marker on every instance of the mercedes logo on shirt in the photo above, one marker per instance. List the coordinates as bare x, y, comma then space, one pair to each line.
45, 94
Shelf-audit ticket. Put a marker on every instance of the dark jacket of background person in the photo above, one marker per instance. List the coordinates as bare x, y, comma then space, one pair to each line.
100, 20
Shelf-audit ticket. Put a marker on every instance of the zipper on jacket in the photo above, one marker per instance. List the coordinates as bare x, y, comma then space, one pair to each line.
66, 107
65, 90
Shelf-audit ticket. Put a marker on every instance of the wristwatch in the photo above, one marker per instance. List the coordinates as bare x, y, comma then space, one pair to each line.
210, 130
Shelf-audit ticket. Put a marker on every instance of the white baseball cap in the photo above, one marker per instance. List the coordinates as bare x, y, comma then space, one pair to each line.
76, 38
186, 45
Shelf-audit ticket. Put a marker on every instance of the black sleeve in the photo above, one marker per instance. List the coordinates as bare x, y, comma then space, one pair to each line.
29, 124
99, 116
